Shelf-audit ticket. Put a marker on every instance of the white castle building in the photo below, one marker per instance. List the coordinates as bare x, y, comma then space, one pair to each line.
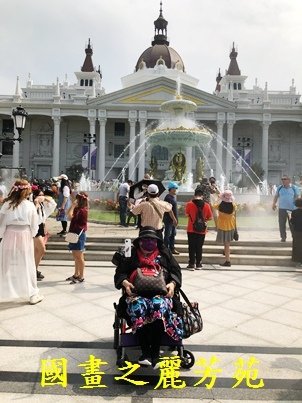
265, 125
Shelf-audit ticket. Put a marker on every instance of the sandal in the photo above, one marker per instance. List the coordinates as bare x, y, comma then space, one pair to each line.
71, 278
80, 280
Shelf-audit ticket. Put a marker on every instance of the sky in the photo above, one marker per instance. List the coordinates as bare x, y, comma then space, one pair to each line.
47, 39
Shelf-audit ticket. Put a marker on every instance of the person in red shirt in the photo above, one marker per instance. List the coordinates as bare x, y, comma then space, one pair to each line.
78, 213
195, 238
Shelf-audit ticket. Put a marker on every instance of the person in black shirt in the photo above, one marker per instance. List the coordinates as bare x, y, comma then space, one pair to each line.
296, 222
170, 229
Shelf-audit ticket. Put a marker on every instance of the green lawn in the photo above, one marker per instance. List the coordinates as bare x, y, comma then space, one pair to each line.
260, 221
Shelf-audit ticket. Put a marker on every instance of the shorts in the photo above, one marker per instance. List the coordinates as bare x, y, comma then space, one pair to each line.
80, 245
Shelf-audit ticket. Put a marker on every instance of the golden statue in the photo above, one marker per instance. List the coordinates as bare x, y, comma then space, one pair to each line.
153, 167
199, 168
178, 165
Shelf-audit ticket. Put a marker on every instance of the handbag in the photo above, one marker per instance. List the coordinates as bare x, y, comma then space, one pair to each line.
192, 320
72, 237
149, 285
236, 235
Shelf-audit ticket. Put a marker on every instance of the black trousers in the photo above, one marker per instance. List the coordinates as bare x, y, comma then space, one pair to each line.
195, 242
149, 337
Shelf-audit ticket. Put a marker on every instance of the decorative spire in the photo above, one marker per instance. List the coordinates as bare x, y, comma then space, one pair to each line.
18, 89
160, 29
57, 93
218, 79
88, 65
233, 69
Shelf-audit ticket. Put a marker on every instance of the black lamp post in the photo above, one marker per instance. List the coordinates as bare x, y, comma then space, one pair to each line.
89, 139
20, 116
243, 143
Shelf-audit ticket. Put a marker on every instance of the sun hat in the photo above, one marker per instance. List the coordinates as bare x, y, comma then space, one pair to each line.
227, 196
147, 232
172, 185
152, 189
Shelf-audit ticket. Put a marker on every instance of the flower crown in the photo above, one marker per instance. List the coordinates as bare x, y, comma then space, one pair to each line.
15, 188
83, 196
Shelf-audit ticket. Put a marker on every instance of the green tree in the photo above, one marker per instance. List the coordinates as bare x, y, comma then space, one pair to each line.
74, 172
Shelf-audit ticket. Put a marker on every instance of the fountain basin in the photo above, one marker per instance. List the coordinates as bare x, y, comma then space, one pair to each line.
180, 137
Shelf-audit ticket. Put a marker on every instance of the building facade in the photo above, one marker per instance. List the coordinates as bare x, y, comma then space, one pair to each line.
249, 125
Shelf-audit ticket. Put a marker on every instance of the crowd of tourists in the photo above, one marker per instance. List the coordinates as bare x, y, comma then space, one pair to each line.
26, 207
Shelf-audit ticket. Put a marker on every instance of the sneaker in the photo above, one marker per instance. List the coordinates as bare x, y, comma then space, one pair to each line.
191, 267
226, 264
145, 361
35, 299
198, 267
156, 363
39, 276
61, 232
175, 252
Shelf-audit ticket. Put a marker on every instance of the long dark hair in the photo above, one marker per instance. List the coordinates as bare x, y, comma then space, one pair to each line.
226, 207
64, 182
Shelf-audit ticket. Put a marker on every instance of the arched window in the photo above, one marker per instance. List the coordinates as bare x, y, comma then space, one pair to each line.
235, 86
239, 86
160, 153
86, 83
82, 83
90, 83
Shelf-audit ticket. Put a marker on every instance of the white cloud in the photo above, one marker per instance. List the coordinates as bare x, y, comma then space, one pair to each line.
47, 39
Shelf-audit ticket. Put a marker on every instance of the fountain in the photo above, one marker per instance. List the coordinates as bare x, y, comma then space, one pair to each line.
176, 133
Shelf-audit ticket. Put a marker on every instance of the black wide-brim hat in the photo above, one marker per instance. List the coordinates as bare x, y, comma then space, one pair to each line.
147, 232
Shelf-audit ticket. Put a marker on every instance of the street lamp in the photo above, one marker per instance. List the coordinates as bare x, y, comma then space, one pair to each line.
89, 139
20, 116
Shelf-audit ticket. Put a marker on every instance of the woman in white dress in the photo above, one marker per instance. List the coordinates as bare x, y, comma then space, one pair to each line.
18, 226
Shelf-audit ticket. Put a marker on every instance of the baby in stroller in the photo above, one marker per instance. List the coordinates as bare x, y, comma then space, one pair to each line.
152, 316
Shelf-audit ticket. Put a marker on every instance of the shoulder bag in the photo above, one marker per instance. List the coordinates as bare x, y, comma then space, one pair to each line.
236, 234
72, 237
192, 320
149, 284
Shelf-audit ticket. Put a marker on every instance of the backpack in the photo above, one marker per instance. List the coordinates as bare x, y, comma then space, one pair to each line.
199, 225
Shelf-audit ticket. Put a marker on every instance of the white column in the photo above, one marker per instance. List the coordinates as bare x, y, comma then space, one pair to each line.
131, 163
188, 160
265, 128
92, 145
229, 156
56, 147
219, 141
101, 150
142, 148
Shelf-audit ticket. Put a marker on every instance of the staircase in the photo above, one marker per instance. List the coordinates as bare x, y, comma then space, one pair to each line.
242, 252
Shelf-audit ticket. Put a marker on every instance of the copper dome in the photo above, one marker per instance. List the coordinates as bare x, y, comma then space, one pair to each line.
156, 54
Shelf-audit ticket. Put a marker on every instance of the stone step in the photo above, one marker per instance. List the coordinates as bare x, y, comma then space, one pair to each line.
236, 249
247, 259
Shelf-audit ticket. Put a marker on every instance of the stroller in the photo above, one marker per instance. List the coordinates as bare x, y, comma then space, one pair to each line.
124, 338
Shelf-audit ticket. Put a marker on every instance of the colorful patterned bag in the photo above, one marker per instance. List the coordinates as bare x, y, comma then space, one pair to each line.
192, 320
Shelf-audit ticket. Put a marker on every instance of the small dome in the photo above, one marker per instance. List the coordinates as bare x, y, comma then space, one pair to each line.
151, 56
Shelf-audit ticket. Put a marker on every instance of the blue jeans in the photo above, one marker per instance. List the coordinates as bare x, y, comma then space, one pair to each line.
169, 238
123, 209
